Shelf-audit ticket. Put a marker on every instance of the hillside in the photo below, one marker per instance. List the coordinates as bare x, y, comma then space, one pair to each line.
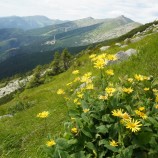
17, 46
23, 135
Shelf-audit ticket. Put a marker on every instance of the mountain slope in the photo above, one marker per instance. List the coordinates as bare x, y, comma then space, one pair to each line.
76, 33
29, 137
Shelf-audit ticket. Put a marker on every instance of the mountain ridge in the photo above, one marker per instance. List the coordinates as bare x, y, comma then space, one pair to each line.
27, 22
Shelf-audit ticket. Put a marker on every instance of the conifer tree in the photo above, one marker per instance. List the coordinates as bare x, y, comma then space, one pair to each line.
66, 58
56, 68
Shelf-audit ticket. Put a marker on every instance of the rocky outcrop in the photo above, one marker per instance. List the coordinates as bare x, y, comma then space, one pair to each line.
13, 86
123, 55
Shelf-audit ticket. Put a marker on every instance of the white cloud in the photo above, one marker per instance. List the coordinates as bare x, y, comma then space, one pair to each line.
138, 10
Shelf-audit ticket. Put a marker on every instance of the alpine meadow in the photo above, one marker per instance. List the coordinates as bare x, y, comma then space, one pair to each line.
85, 88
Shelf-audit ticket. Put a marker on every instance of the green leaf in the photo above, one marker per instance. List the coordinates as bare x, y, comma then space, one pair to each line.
72, 141
73, 113
114, 149
127, 152
143, 138
90, 145
85, 118
107, 118
102, 129
79, 155
87, 132
62, 143
153, 121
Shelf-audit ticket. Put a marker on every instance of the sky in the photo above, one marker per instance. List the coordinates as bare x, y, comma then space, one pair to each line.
138, 10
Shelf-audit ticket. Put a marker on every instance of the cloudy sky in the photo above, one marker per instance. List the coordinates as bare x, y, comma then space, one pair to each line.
139, 10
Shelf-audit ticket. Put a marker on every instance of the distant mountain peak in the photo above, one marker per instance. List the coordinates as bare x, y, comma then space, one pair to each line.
122, 17
89, 17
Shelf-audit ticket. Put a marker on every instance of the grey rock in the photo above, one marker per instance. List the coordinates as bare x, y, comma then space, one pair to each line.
121, 55
13, 86
118, 44
104, 48
123, 46
136, 39
130, 52
4, 116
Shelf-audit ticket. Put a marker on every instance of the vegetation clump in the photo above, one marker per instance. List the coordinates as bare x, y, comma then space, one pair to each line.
107, 118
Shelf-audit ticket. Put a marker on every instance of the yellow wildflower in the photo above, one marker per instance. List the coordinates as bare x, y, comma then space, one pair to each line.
78, 103
103, 97
50, 143
133, 125
99, 64
90, 87
76, 79
146, 89
92, 56
155, 90
117, 113
75, 100
130, 80
110, 90
128, 90
43, 114
60, 91
68, 84
102, 56
74, 130
126, 116
111, 57
75, 72
139, 77
80, 95
113, 143
85, 110
86, 77
141, 108
141, 114
156, 106
110, 72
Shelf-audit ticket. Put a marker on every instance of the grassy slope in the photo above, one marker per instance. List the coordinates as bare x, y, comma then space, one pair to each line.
23, 135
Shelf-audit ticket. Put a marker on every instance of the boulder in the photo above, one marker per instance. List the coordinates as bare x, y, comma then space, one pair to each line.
121, 55
104, 48
130, 52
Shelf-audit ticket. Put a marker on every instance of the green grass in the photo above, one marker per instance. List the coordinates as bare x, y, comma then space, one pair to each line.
24, 136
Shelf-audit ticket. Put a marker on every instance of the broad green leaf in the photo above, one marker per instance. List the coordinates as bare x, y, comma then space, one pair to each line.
143, 138
102, 129
62, 143
107, 118
87, 132
72, 141
79, 155
73, 113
